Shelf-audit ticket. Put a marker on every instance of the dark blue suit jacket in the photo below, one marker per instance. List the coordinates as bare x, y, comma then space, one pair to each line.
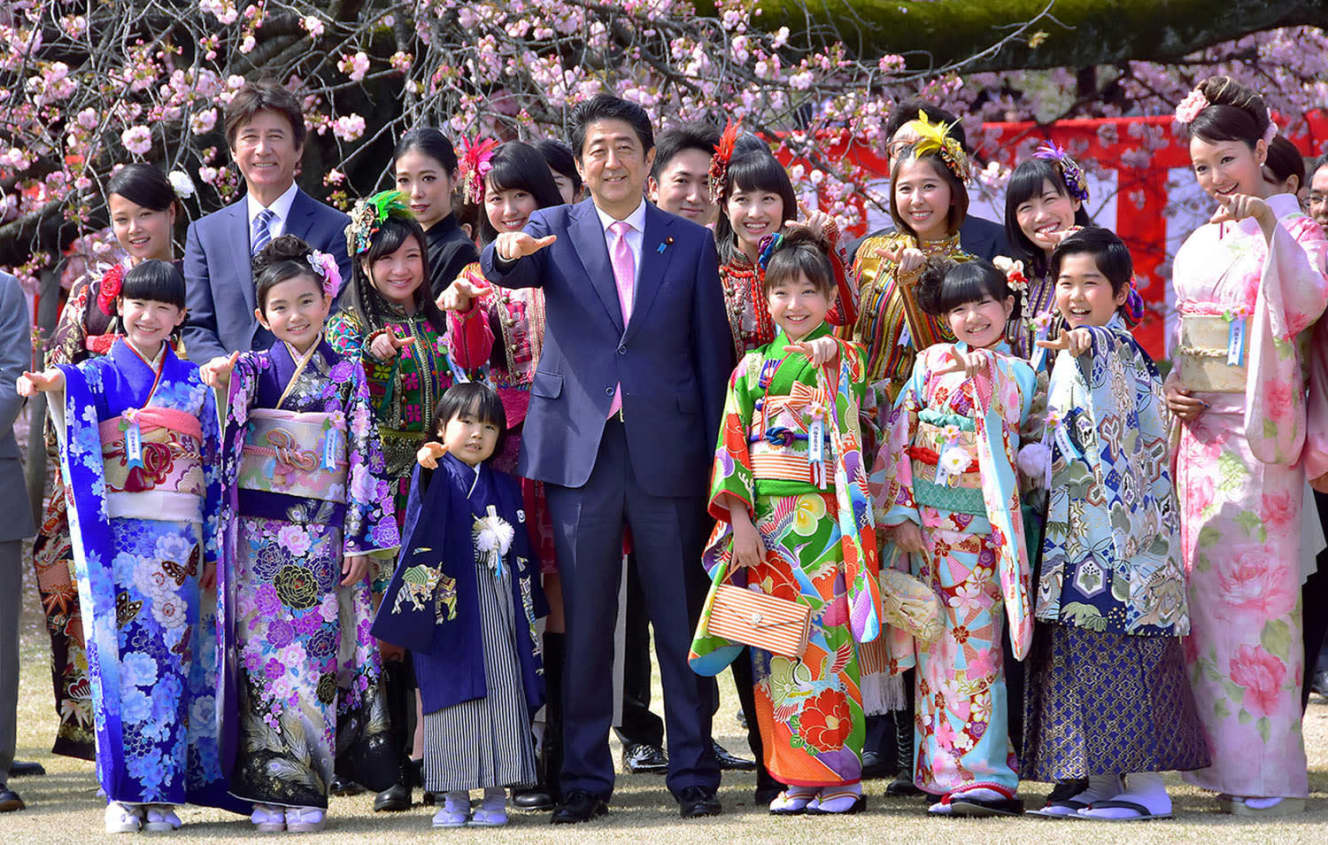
673, 360
219, 274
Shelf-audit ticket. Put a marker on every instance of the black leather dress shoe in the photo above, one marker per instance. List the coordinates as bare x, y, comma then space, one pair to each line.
697, 801
579, 806
535, 798
9, 800
731, 762
342, 787
394, 799
25, 768
642, 758
902, 787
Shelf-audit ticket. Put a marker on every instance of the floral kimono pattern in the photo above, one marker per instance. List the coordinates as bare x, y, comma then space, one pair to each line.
305, 475
139, 447
1240, 489
815, 521
402, 392
947, 466
83, 331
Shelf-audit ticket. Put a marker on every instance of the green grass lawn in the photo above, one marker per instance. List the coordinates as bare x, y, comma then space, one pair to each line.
63, 806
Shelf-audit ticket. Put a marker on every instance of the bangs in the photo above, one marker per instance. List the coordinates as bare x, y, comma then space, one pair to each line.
760, 171
1027, 179
155, 281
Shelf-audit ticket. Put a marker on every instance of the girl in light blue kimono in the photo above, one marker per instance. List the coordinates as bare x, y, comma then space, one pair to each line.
139, 449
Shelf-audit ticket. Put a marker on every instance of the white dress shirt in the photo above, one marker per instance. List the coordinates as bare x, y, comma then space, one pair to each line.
280, 207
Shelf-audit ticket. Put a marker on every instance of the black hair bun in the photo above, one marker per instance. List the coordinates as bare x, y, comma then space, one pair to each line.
279, 249
930, 283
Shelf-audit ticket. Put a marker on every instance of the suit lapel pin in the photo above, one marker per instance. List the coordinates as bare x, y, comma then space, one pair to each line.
668, 242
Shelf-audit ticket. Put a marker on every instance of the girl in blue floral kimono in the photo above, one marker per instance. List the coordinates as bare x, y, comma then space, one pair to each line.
139, 452
1107, 693
307, 504
464, 600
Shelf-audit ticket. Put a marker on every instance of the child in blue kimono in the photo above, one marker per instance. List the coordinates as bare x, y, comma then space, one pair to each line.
139, 446
464, 600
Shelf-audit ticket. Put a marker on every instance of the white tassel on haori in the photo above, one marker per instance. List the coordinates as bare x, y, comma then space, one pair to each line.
493, 537
1034, 462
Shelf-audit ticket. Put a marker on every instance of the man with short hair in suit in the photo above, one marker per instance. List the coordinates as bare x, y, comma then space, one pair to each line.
15, 358
624, 414
265, 131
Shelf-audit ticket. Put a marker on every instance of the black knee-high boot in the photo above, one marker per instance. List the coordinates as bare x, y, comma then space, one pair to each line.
400, 711
903, 782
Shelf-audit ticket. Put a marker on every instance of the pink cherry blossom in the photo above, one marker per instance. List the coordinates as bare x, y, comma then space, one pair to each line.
348, 127
137, 139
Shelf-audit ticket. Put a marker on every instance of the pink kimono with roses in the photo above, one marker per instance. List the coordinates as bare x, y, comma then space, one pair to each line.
1246, 305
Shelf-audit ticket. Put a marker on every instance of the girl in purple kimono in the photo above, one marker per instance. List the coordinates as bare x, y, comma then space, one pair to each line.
139, 455
307, 504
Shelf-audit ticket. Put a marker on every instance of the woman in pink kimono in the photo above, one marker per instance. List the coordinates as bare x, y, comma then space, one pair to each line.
1249, 284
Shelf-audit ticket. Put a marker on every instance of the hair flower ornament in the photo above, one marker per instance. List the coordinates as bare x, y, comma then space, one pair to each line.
1014, 279
369, 215
936, 138
476, 162
1271, 132
181, 184
325, 266
1190, 107
493, 537
108, 289
719, 162
1076, 183
769, 244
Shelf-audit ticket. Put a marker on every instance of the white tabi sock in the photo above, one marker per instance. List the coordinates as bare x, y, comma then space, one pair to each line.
1144, 788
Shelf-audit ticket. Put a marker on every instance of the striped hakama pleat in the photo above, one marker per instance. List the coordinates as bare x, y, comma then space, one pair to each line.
485, 742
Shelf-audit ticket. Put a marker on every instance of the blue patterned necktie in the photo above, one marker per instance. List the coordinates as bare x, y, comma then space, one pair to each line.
261, 232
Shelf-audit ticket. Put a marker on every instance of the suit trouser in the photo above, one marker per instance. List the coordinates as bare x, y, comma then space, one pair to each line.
668, 534
11, 600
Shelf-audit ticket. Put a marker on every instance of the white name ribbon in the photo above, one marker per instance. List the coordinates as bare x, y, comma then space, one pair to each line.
816, 441
1236, 342
905, 336
331, 448
133, 443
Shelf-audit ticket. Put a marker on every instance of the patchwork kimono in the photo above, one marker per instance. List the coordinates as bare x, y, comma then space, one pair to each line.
464, 600
139, 450
947, 466
306, 488
1245, 306
1107, 686
790, 450
402, 393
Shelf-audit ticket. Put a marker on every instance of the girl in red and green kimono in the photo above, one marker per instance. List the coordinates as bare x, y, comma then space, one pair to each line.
790, 493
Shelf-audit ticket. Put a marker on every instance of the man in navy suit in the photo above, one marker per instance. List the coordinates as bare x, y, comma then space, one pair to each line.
624, 412
265, 131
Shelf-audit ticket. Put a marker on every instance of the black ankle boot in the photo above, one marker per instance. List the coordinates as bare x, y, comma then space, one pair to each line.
551, 751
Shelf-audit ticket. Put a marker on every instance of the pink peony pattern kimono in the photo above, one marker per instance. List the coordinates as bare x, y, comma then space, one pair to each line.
1244, 305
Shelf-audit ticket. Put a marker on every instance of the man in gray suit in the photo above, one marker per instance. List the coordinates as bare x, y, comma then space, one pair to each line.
15, 357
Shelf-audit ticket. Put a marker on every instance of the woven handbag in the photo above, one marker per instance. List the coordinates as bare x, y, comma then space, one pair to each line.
756, 619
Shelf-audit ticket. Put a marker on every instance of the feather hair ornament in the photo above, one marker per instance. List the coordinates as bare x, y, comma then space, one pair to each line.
1072, 175
719, 162
936, 138
475, 164
368, 216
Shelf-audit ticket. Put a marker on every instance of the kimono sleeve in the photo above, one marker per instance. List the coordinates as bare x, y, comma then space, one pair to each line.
892, 474
370, 523
470, 338
1291, 296
213, 478
233, 411
419, 591
346, 336
732, 473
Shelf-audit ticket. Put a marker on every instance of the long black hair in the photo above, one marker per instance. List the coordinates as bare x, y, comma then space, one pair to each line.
518, 166
362, 299
1026, 183
756, 170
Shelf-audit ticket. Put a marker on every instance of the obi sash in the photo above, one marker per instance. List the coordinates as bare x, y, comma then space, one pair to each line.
779, 439
165, 482
295, 454
1202, 355
399, 449
936, 484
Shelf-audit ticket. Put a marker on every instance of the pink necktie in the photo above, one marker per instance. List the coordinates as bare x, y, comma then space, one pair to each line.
624, 277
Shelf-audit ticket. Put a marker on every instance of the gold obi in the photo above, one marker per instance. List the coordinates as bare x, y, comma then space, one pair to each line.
1201, 355
931, 442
